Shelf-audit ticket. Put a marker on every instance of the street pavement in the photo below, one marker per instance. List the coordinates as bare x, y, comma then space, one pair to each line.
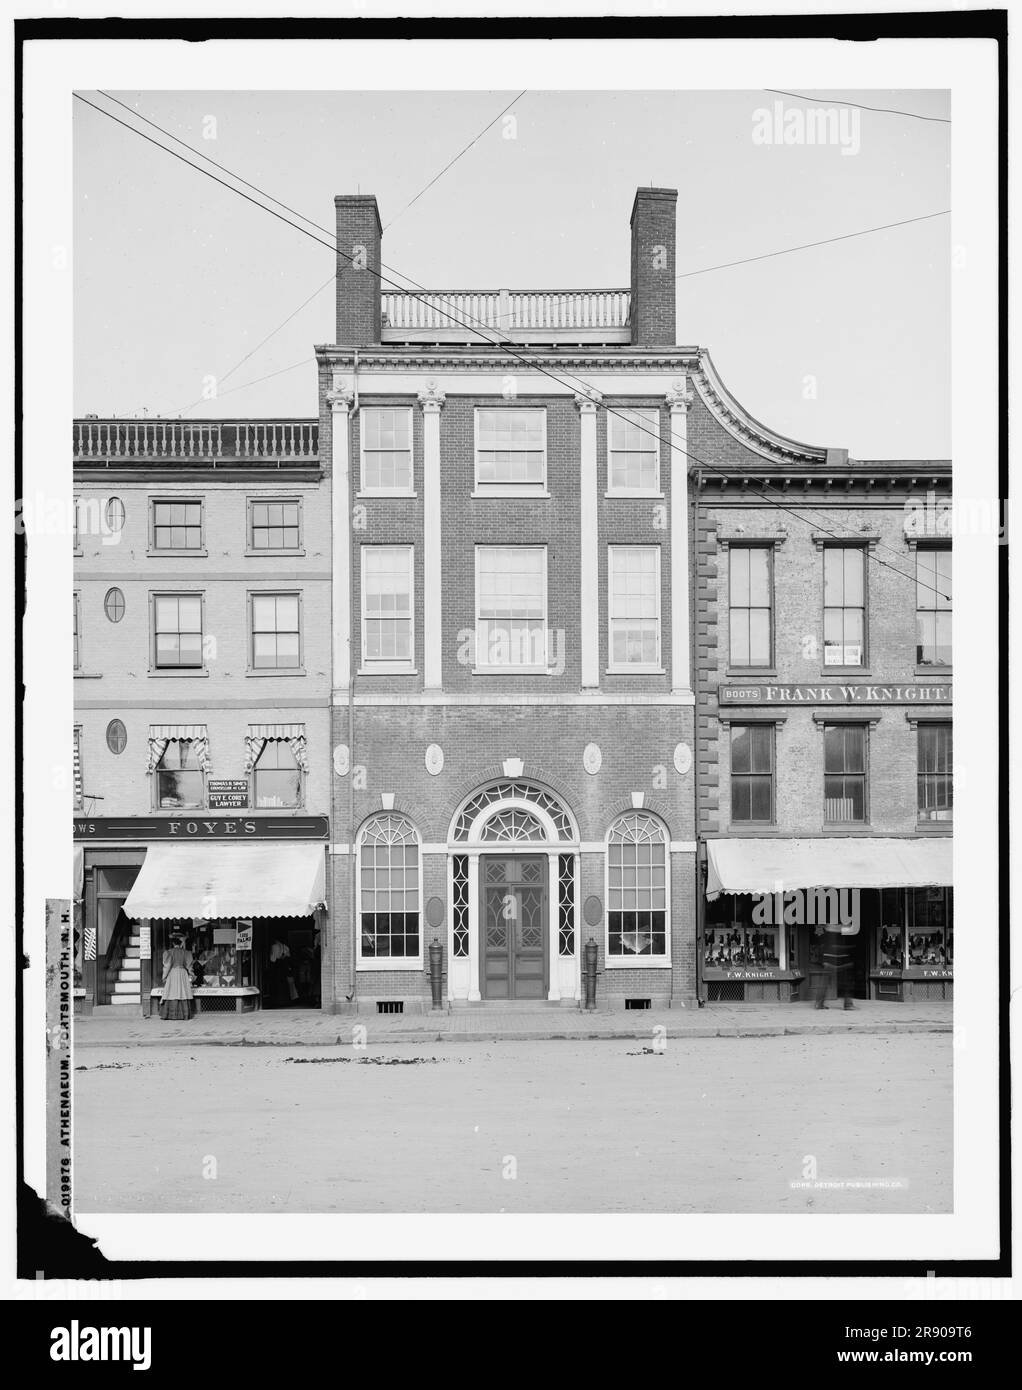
856, 1122
490, 1023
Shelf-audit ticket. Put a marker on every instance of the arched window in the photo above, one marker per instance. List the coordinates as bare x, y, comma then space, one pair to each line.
514, 791
389, 890
277, 777
179, 776
636, 888
513, 825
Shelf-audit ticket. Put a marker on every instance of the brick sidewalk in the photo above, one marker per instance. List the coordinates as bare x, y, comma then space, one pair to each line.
308, 1028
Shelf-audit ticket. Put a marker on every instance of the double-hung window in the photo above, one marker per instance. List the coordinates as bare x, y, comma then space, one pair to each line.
750, 595
177, 632
844, 773
933, 606
389, 892
510, 448
274, 525
177, 526
276, 776
634, 607
633, 452
387, 614
511, 631
386, 435
936, 772
844, 606
276, 632
179, 778
752, 773
637, 912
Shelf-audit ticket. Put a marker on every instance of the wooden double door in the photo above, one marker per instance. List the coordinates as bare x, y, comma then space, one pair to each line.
514, 915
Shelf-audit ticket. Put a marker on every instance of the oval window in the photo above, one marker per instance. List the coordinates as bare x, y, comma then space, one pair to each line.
113, 605
116, 736
114, 513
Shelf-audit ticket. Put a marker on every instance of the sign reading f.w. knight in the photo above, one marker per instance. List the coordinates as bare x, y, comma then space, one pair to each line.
858, 693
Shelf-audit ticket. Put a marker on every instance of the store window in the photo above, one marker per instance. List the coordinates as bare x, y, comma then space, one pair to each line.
733, 939
933, 606
177, 525
844, 606
277, 778
935, 777
179, 783
389, 890
177, 624
844, 773
386, 451
931, 939
276, 632
511, 606
274, 525
890, 953
511, 449
750, 590
633, 580
633, 452
387, 609
752, 773
637, 910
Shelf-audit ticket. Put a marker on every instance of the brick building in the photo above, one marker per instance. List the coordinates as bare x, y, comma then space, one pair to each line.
202, 693
823, 686
513, 712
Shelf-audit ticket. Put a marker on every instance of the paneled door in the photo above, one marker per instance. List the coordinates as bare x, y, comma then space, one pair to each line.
514, 917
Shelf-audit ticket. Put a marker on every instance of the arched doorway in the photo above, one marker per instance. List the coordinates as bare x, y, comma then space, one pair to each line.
513, 880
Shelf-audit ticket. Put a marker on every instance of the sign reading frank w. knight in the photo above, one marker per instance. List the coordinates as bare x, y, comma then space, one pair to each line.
857, 693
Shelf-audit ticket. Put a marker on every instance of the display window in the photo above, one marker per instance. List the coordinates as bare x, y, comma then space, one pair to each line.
733, 939
915, 930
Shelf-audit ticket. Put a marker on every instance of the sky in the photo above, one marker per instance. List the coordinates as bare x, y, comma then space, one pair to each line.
845, 345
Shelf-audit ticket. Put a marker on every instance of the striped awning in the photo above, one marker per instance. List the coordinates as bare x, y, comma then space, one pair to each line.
187, 881
79, 794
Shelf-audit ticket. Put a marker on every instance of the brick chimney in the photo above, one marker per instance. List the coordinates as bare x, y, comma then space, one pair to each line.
653, 268
359, 243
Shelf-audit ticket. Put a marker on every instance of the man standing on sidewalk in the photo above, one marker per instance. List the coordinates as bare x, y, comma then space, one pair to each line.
837, 960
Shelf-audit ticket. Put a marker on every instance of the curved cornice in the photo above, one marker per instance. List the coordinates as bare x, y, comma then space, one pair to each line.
745, 428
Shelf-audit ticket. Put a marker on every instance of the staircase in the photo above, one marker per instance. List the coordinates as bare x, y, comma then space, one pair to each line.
127, 985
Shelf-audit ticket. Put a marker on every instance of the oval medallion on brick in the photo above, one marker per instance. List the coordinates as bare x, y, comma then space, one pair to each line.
435, 912
434, 759
682, 758
592, 758
592, 911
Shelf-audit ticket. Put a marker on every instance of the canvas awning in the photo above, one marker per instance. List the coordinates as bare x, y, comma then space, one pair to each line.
776, 866
267, 880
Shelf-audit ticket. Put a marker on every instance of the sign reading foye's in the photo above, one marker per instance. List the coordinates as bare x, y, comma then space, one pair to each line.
199, 827
859, 693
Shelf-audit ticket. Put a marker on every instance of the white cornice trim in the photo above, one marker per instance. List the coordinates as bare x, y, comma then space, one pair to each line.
631, 697
731, 416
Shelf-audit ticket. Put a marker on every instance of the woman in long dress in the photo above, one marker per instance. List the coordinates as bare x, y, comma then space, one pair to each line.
177, 1001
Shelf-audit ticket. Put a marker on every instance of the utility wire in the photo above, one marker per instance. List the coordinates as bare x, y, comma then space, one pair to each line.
827, 241
531, 364
454, 161
839, 101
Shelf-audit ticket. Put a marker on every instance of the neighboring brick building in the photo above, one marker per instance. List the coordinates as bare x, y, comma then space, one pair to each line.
512, 695
823, 670
202, 658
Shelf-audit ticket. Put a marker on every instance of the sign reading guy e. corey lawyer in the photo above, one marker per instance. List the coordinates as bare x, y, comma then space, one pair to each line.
227, 794
858, 693
201, 827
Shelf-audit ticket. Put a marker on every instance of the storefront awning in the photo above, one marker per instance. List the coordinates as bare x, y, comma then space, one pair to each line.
776, 866
228, 881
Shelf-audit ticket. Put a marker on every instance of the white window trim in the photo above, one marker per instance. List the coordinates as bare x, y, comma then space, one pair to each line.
388, 667
177, 672
370, 963
163, 499
504, 488
655, 490
363, 489
250, 549
302, 774
275, 592
634, 668
482, 668
637, 962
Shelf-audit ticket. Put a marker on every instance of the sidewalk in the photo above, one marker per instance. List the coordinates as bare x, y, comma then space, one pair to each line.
310, 1028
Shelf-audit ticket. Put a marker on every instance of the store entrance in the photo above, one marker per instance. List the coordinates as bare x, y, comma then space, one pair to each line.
514, 916
289, 958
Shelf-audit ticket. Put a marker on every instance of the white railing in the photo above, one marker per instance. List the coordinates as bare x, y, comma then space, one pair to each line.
196, 439
512, 310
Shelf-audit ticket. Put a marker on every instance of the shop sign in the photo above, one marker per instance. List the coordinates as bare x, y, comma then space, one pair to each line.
145, 943
927, 972
752, 972
859, 693
227, 794
244, 941
199, 827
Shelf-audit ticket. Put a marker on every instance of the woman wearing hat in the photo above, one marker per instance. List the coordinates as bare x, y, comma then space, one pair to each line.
177, 1001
